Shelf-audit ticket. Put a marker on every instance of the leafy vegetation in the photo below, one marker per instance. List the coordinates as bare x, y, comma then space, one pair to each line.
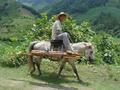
106, 51
97, 22
14, 44
103, 14
75, 6
14, 24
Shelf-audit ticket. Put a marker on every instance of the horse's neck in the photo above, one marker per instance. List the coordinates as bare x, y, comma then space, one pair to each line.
78, 47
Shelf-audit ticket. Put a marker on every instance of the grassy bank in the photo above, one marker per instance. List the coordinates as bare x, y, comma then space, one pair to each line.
101, 77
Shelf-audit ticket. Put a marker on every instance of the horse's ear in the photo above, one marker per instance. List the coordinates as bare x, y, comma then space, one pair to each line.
89, 47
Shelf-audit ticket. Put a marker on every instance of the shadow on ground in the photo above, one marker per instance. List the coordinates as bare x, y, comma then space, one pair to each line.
52, 81
52, 78
49, 86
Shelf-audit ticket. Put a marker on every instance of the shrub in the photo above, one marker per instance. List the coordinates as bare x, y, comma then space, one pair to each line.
106, 49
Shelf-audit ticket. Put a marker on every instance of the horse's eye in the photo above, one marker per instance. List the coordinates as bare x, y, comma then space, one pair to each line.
91, 52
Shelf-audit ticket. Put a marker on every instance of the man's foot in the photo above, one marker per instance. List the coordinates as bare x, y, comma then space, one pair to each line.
69, 52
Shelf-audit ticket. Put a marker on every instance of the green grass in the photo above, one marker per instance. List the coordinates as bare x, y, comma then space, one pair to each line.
101, 77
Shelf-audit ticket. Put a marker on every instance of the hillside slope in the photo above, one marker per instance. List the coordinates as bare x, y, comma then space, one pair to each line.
37, 4
14, 18
12, 9
103, 14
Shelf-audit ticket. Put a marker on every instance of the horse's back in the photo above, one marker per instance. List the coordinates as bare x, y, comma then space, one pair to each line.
42, 45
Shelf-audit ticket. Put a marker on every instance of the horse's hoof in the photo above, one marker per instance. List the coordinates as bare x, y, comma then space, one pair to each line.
80, 81
83, 83
28, 74
39, 74
31, 73
58, 76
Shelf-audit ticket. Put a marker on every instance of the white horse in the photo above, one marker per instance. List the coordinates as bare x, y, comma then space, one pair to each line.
83, 48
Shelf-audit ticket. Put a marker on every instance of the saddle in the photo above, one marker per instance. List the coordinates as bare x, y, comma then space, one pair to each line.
56, 45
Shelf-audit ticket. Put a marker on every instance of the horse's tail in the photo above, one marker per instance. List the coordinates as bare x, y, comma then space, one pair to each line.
31, 47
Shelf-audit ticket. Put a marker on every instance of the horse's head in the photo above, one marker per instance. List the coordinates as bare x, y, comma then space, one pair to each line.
89, 52
84, 48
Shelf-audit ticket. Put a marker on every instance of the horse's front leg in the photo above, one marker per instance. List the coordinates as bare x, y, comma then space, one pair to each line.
72, 63
62, 64
90, 60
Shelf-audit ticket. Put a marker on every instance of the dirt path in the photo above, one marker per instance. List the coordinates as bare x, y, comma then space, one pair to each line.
18, 84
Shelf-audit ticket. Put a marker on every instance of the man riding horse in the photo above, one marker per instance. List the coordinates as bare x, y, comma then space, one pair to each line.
57, 33
82, 48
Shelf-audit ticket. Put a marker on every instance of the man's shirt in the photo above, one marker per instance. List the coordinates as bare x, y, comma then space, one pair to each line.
56, 29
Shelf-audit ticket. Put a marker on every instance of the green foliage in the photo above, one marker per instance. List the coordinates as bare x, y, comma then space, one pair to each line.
103, 14
37, 4
13, 48
74, 6
9, 8
31, 10
12, 55
42, 29
14, 36
79, 33
107, 22
106, 49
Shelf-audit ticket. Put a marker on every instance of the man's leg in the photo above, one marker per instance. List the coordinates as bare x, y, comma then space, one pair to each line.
66, 41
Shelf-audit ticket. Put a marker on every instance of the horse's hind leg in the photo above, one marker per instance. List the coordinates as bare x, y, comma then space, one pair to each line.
38, 63
63, 62
31, 65
33, 69
71, 62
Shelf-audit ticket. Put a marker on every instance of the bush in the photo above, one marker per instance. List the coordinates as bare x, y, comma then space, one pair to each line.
12, 55
106, 49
